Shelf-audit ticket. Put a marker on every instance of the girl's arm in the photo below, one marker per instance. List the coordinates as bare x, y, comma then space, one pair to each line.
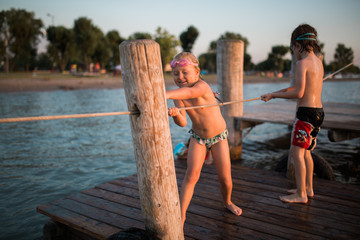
198, 90
179, 116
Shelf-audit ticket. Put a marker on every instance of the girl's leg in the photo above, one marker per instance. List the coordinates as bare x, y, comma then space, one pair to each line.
221, 155
195, 160
298, 154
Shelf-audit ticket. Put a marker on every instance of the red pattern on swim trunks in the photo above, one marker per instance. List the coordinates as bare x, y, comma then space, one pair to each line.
301, 134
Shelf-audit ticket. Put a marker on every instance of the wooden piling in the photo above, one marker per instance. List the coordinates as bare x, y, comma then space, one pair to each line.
145, 91
230, 64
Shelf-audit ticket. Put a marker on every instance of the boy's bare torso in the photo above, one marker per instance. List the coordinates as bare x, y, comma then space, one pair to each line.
311, 71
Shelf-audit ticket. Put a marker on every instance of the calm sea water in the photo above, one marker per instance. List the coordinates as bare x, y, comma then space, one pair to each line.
47, 160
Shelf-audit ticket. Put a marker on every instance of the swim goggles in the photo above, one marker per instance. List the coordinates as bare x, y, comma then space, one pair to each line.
181, 63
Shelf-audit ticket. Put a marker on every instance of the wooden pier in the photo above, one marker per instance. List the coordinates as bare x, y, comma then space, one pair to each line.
108, 208
115, 206
343, 117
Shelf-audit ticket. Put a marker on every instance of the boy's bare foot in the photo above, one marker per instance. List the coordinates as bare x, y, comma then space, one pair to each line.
233, 208
294, 198
309, 193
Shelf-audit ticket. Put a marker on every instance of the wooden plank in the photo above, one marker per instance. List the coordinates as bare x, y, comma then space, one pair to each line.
208, 179
266, 205
76, 221
337, 115
115, 205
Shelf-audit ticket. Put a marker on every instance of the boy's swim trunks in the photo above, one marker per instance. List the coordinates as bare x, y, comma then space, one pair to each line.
306, 127
209, 142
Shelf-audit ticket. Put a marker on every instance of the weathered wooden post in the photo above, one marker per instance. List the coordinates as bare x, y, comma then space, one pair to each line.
145, 91
230, 65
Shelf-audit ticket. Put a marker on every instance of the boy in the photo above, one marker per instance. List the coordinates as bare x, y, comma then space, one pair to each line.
309, 115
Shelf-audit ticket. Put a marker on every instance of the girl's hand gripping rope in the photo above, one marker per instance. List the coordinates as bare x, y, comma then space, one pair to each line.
173, 111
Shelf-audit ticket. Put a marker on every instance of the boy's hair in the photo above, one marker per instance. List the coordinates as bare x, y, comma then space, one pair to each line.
306, 36
188, 56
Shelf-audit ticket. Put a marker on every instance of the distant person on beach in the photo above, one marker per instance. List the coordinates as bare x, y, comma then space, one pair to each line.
208, 129
310, 115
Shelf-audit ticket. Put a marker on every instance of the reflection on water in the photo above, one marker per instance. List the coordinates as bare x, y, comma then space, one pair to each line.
46, 160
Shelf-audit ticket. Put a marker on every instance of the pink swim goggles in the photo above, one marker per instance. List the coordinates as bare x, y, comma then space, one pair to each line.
181, 63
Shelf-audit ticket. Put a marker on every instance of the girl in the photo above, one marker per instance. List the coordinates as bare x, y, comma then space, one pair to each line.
208, 129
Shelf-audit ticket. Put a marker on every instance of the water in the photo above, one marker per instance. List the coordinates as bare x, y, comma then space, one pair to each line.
47, 160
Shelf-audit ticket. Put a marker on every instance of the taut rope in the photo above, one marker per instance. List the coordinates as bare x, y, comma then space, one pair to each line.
329, 76
219, 104
86, 115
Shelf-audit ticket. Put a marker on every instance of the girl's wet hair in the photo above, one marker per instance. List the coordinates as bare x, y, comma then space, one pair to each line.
306, 36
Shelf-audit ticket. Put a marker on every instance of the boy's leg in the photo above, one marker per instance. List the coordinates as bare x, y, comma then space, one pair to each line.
195, 160
309, 173
221, 155
299, 196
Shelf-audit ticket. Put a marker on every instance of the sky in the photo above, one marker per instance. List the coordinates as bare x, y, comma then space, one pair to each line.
265, 23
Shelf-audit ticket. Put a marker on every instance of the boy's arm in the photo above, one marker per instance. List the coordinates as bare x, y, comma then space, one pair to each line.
179, 116
195, 91
296, 92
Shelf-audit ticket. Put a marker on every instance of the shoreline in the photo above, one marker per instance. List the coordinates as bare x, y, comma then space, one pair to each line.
67, 83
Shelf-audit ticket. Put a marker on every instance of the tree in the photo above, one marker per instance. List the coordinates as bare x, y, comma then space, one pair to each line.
275, 61
279, 52
233, 36
187, 38
61, 45
87, 37
167, 43
102, 53
140, 35
208, 61
114, 39
342, 57
20, 30
44, 62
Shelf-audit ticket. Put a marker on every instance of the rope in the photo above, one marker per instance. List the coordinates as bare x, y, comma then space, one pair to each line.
219, 104
331, 75
86, 115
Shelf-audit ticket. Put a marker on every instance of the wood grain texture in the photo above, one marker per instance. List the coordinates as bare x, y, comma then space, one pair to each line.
145, 91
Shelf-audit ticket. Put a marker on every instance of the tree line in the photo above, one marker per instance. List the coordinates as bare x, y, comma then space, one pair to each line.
85, 43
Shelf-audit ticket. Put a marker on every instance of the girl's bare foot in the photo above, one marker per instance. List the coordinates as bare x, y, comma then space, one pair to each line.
294, 198
233, 208
309, 193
